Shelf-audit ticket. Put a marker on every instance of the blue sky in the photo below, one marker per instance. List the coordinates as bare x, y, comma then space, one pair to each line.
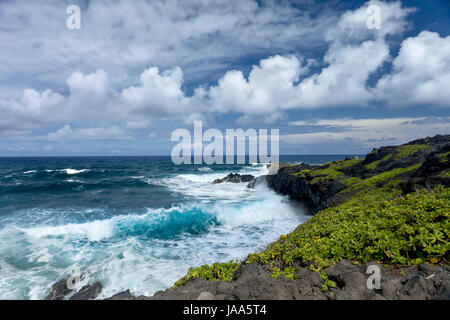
137, 70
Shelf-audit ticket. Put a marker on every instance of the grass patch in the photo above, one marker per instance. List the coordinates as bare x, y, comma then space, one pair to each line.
326, 174
302, 173
351, 181
373, 165
443, 157
445, 174
337, 165
375, 180
409, 149
406, 230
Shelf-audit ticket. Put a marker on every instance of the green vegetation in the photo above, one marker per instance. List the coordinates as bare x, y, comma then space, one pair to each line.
443, 156
215, 272
329, 169
324, 174
327, 283
302, 173
351, 181
446, 174
337, 165
409, 149
373, 182
373, 165
402, 230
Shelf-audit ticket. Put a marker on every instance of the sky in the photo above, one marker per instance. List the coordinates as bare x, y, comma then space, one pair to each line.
137, 70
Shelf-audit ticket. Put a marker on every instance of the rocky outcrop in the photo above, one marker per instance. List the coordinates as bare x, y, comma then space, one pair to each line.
60, 291
300, 182
253, 282
314, 196
88, 292
235, 178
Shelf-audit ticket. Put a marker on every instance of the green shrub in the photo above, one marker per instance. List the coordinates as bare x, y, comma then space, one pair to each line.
443, 156
375, 180
337, 165
326, 174
215, 272
409, 149
405, 230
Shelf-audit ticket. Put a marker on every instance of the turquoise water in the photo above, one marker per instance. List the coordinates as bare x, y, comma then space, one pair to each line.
133, 223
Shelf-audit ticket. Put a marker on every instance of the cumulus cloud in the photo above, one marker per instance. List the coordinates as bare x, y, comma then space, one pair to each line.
421, 72
279, 83
159, 93
269, 87
100, 133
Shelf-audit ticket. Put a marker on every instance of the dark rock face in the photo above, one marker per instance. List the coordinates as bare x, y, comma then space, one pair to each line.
235, 178
315, 197
59, 290
88, 292
324, 193
253, 282
125, 295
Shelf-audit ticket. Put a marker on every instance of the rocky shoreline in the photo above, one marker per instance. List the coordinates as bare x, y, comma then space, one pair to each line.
253, 281
420, 164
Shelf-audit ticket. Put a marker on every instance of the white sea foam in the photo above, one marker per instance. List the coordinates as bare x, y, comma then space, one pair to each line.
125, 251
31, 171
74, 171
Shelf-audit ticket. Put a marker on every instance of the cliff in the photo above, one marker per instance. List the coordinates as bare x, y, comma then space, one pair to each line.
418, 164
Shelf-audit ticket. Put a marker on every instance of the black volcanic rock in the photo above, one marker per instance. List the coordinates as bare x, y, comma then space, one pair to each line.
235, 178
88, 292
59, 290
318, 195
253, 282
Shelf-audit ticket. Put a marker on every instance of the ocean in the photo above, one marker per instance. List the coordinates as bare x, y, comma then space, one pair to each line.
133, 223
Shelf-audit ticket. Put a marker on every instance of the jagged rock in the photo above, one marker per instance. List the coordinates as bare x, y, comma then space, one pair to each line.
124, 295
318, 195
235, 178
88, 292
59, 290
205, 296
253, 282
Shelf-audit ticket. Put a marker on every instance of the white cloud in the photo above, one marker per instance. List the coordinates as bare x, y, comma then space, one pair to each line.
269, 87
421, 73
124, 37
368, 133
93, 85
352, 25
354, 54
158, 93
100, 133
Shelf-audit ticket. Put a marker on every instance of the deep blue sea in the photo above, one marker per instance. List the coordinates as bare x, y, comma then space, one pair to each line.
133, 223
